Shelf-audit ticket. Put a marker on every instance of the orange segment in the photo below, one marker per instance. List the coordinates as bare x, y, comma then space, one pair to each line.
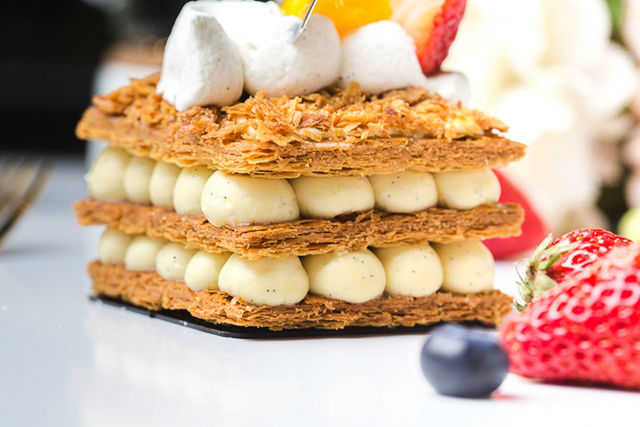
347, 15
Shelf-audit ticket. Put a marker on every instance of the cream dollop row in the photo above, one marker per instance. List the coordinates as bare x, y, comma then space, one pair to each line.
228, 199
353, 276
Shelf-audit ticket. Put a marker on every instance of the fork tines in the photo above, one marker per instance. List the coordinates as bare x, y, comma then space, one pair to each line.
21, 180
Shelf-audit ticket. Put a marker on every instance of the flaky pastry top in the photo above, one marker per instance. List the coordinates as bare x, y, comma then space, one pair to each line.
331, 115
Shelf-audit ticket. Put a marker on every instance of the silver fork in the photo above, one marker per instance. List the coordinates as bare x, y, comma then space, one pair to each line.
21, 181
305, 19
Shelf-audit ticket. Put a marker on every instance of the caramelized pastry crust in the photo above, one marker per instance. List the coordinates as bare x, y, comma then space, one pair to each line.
332, 132
150, 291
306, 236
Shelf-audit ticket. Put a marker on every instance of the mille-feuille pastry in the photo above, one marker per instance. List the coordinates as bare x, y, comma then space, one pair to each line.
261, 181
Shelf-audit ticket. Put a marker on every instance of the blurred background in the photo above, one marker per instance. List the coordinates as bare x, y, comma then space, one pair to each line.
55, 55
562, 73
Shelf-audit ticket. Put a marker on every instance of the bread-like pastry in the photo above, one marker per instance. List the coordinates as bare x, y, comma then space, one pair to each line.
332, 132
306, 236
149, 290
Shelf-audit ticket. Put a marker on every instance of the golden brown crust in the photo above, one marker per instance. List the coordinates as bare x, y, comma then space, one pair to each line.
149, 290
327, 133
306, 236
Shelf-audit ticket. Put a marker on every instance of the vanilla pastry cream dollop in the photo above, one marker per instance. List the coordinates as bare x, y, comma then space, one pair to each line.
356, 277
137, 177
271, 281
227, 199
172, 260
413, 271
467, 189
105, 179
468, 266
404, 192
204, 269
326, 197
142, 252
161, 184
237, 199
113, 246
201, 64
187, 191
349, 276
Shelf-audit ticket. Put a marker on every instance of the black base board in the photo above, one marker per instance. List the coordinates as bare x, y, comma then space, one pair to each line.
183, 318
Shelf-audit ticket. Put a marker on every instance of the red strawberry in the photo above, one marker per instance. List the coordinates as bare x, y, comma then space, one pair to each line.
555, 261
433, 25
587, 329
534, 228
588, 245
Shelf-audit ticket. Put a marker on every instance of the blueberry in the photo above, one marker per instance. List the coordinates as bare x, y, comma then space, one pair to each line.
464, 362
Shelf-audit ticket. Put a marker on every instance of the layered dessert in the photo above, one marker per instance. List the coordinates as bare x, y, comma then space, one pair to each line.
321, 181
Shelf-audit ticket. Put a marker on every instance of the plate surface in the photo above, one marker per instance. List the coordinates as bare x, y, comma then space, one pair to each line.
183, 318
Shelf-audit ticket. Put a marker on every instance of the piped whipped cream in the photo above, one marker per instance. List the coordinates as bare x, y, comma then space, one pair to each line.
201, 64
217, 49
273, 62
452, 86
380, 56
280, 67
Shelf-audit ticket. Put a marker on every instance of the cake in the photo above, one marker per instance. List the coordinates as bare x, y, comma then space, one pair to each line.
294, 203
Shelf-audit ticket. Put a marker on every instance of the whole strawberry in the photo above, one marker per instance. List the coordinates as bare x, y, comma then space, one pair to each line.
587, 329
554, 261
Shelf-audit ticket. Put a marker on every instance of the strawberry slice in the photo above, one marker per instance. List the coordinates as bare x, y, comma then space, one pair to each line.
433, 24
534, 228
